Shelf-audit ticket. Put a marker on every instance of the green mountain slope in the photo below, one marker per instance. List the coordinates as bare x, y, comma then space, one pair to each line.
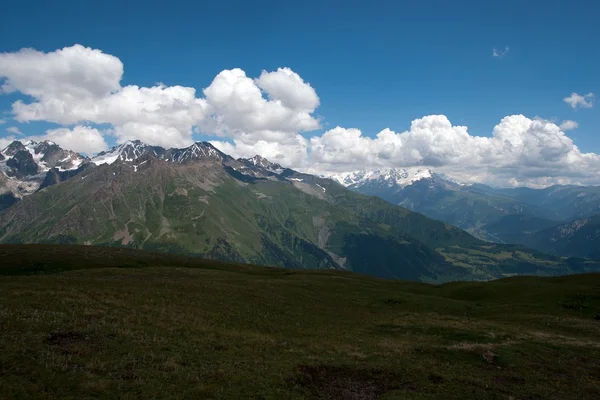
202, 208
469, 207
84, 322
568, 202
220, 208
578, 238
537, 218
517, 228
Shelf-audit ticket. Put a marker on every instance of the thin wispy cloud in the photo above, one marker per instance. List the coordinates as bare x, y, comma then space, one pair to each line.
568, 125
14, 130
500, 53
576, 100
2, 121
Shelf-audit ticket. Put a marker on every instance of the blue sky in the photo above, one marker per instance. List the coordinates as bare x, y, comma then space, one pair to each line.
373, 64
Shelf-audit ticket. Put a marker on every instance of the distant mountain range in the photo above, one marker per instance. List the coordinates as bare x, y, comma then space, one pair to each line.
200, 201
561, 220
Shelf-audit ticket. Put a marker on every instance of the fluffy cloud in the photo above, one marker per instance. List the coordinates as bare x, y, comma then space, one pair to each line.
292, 153
82, 139
155, 134
288, 87
237, 108
568, 125
14, 129
431, 140
61, 76
520, 151
576, 100
78, 85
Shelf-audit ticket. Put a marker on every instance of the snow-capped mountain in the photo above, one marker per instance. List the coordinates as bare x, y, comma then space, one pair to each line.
388, 177
25, 165
31, 158
261, 162
128, 151
133, 150
195, 152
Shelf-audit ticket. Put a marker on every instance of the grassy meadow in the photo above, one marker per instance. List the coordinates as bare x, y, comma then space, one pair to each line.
83, 322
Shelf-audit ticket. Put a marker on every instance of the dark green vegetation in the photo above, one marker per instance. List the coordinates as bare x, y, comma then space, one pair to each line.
95, 322
225, 209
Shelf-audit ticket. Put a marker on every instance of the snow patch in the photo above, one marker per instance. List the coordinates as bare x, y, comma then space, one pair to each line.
388, 176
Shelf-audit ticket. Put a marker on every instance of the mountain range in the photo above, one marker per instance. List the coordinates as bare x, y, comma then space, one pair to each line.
561, 220
200, 201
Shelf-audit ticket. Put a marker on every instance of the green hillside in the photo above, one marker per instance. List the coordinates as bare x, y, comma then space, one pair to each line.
84, 322
209, 208
578, 238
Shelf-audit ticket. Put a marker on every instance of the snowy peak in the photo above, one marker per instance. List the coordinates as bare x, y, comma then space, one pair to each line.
13, 149
30, 158
133, 150
25, 166
127, 152
386, 177
197, 151
261, 162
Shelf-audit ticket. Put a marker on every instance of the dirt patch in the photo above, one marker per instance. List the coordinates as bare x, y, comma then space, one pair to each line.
308, 189
204, 199
70, 342
165, 227
124, 236
261, 195
323, 233
329, 382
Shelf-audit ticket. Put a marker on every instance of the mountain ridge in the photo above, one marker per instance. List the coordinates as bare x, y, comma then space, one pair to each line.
200, 201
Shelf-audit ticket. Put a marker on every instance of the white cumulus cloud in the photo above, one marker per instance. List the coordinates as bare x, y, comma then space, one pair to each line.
288, 87
238, 109
520, 151
78, 85
61, 76
81, 139
270, 115
291, 153
576, 100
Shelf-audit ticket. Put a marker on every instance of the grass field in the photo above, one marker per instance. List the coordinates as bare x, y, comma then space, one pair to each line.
88, 322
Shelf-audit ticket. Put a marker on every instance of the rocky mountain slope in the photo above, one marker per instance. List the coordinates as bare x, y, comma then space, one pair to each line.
200, 201
25, 167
